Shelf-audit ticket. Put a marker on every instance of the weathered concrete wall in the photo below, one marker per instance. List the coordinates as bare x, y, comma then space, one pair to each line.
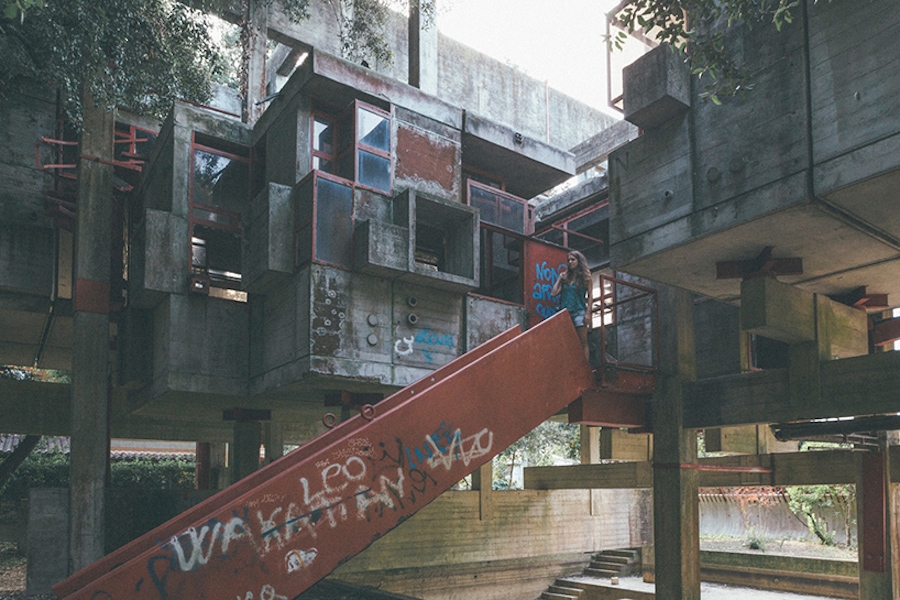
27, 256
486, 318
718, 338
445, 551
47, 550
723, 182
25, 119
428, 155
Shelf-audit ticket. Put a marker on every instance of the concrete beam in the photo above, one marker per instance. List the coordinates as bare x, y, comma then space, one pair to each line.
793, 468
777, 310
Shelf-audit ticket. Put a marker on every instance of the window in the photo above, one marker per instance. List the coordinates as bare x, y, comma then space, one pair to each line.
220, 181
501, 265
586, 231
355, 145
499, 208
323, 220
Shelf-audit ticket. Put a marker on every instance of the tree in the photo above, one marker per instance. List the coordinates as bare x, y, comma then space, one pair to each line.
141, 54
808, 502
541, 447
698, 29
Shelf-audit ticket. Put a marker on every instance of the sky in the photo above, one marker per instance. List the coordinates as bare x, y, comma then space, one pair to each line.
559, 41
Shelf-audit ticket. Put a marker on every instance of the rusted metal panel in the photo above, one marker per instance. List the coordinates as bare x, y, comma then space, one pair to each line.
294, 526
874, 496
542, 263
424, 157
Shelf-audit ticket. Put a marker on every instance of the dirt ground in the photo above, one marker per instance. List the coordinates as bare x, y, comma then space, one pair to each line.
781, 548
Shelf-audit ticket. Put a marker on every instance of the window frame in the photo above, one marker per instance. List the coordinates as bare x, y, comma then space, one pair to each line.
486, 252
235, 226
313, 177
562, 227
527, 209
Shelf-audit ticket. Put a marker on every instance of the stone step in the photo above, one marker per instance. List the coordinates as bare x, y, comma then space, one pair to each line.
622, 560
557, 596
605, 573
561, 589
603, 565
630, 554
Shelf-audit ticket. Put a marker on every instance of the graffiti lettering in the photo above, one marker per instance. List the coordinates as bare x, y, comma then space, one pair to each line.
429, 338
219, 533
467, 450
299, 559
407, 342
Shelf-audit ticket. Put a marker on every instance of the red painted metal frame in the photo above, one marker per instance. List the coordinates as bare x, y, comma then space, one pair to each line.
287, 526
314, 176
527, 215
646, 291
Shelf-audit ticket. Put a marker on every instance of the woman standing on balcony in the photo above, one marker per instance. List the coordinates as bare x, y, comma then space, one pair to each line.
574, 288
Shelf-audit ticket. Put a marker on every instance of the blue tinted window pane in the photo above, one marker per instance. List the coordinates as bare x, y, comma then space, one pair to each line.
334, 222
374, 171
345, 166
374, 130
220, 181
512, 215
486, 202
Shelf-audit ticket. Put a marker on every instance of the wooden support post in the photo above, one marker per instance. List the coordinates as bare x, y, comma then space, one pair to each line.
676, 519
89, 458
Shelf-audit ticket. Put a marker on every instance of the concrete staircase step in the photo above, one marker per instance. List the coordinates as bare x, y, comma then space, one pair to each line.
605, 573
606, 565
621, 560
629, 554
561, 589
558, 596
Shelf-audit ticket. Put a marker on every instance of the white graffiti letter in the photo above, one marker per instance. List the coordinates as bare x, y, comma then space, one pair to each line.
197, 556
408, 341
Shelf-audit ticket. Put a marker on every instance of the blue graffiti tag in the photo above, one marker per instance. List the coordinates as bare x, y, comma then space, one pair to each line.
545, 277
429, 338
444, 433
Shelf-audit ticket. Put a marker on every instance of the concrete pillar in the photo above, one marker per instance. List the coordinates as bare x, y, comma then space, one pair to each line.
483, 481
590, 445
676, 519
273, 440
876, 526
255, 61
201, 466
423, 51
90, 359
219, 472
247, 439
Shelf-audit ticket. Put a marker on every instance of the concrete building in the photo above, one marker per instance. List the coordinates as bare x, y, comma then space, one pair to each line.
368, 226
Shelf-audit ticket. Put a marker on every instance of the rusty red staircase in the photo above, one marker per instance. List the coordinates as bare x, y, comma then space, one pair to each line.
280, 530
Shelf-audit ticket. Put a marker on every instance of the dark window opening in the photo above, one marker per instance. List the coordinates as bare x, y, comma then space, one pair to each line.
220, 190
766, 353
586, 231
501, 272
499, 208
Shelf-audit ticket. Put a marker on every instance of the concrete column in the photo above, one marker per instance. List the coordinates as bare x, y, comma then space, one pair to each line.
273, 440
247, 439
90, 359
876, 527
201, 466
590, 445
483, 481
423, 51
676, 519
255, 61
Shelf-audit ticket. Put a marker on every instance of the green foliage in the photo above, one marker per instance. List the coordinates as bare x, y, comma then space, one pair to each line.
134, 53
754, 540
808, 502
40, 470
16, 8
19, 373
541, 447
699, 28
164, 474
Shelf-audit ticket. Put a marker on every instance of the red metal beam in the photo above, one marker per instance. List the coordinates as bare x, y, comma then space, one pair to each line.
293, 526
873, 536
182, 521
886, 332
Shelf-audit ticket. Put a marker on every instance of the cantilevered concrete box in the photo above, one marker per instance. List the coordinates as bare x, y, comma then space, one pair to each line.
268, 240
447, 232
812, 170
657, 88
